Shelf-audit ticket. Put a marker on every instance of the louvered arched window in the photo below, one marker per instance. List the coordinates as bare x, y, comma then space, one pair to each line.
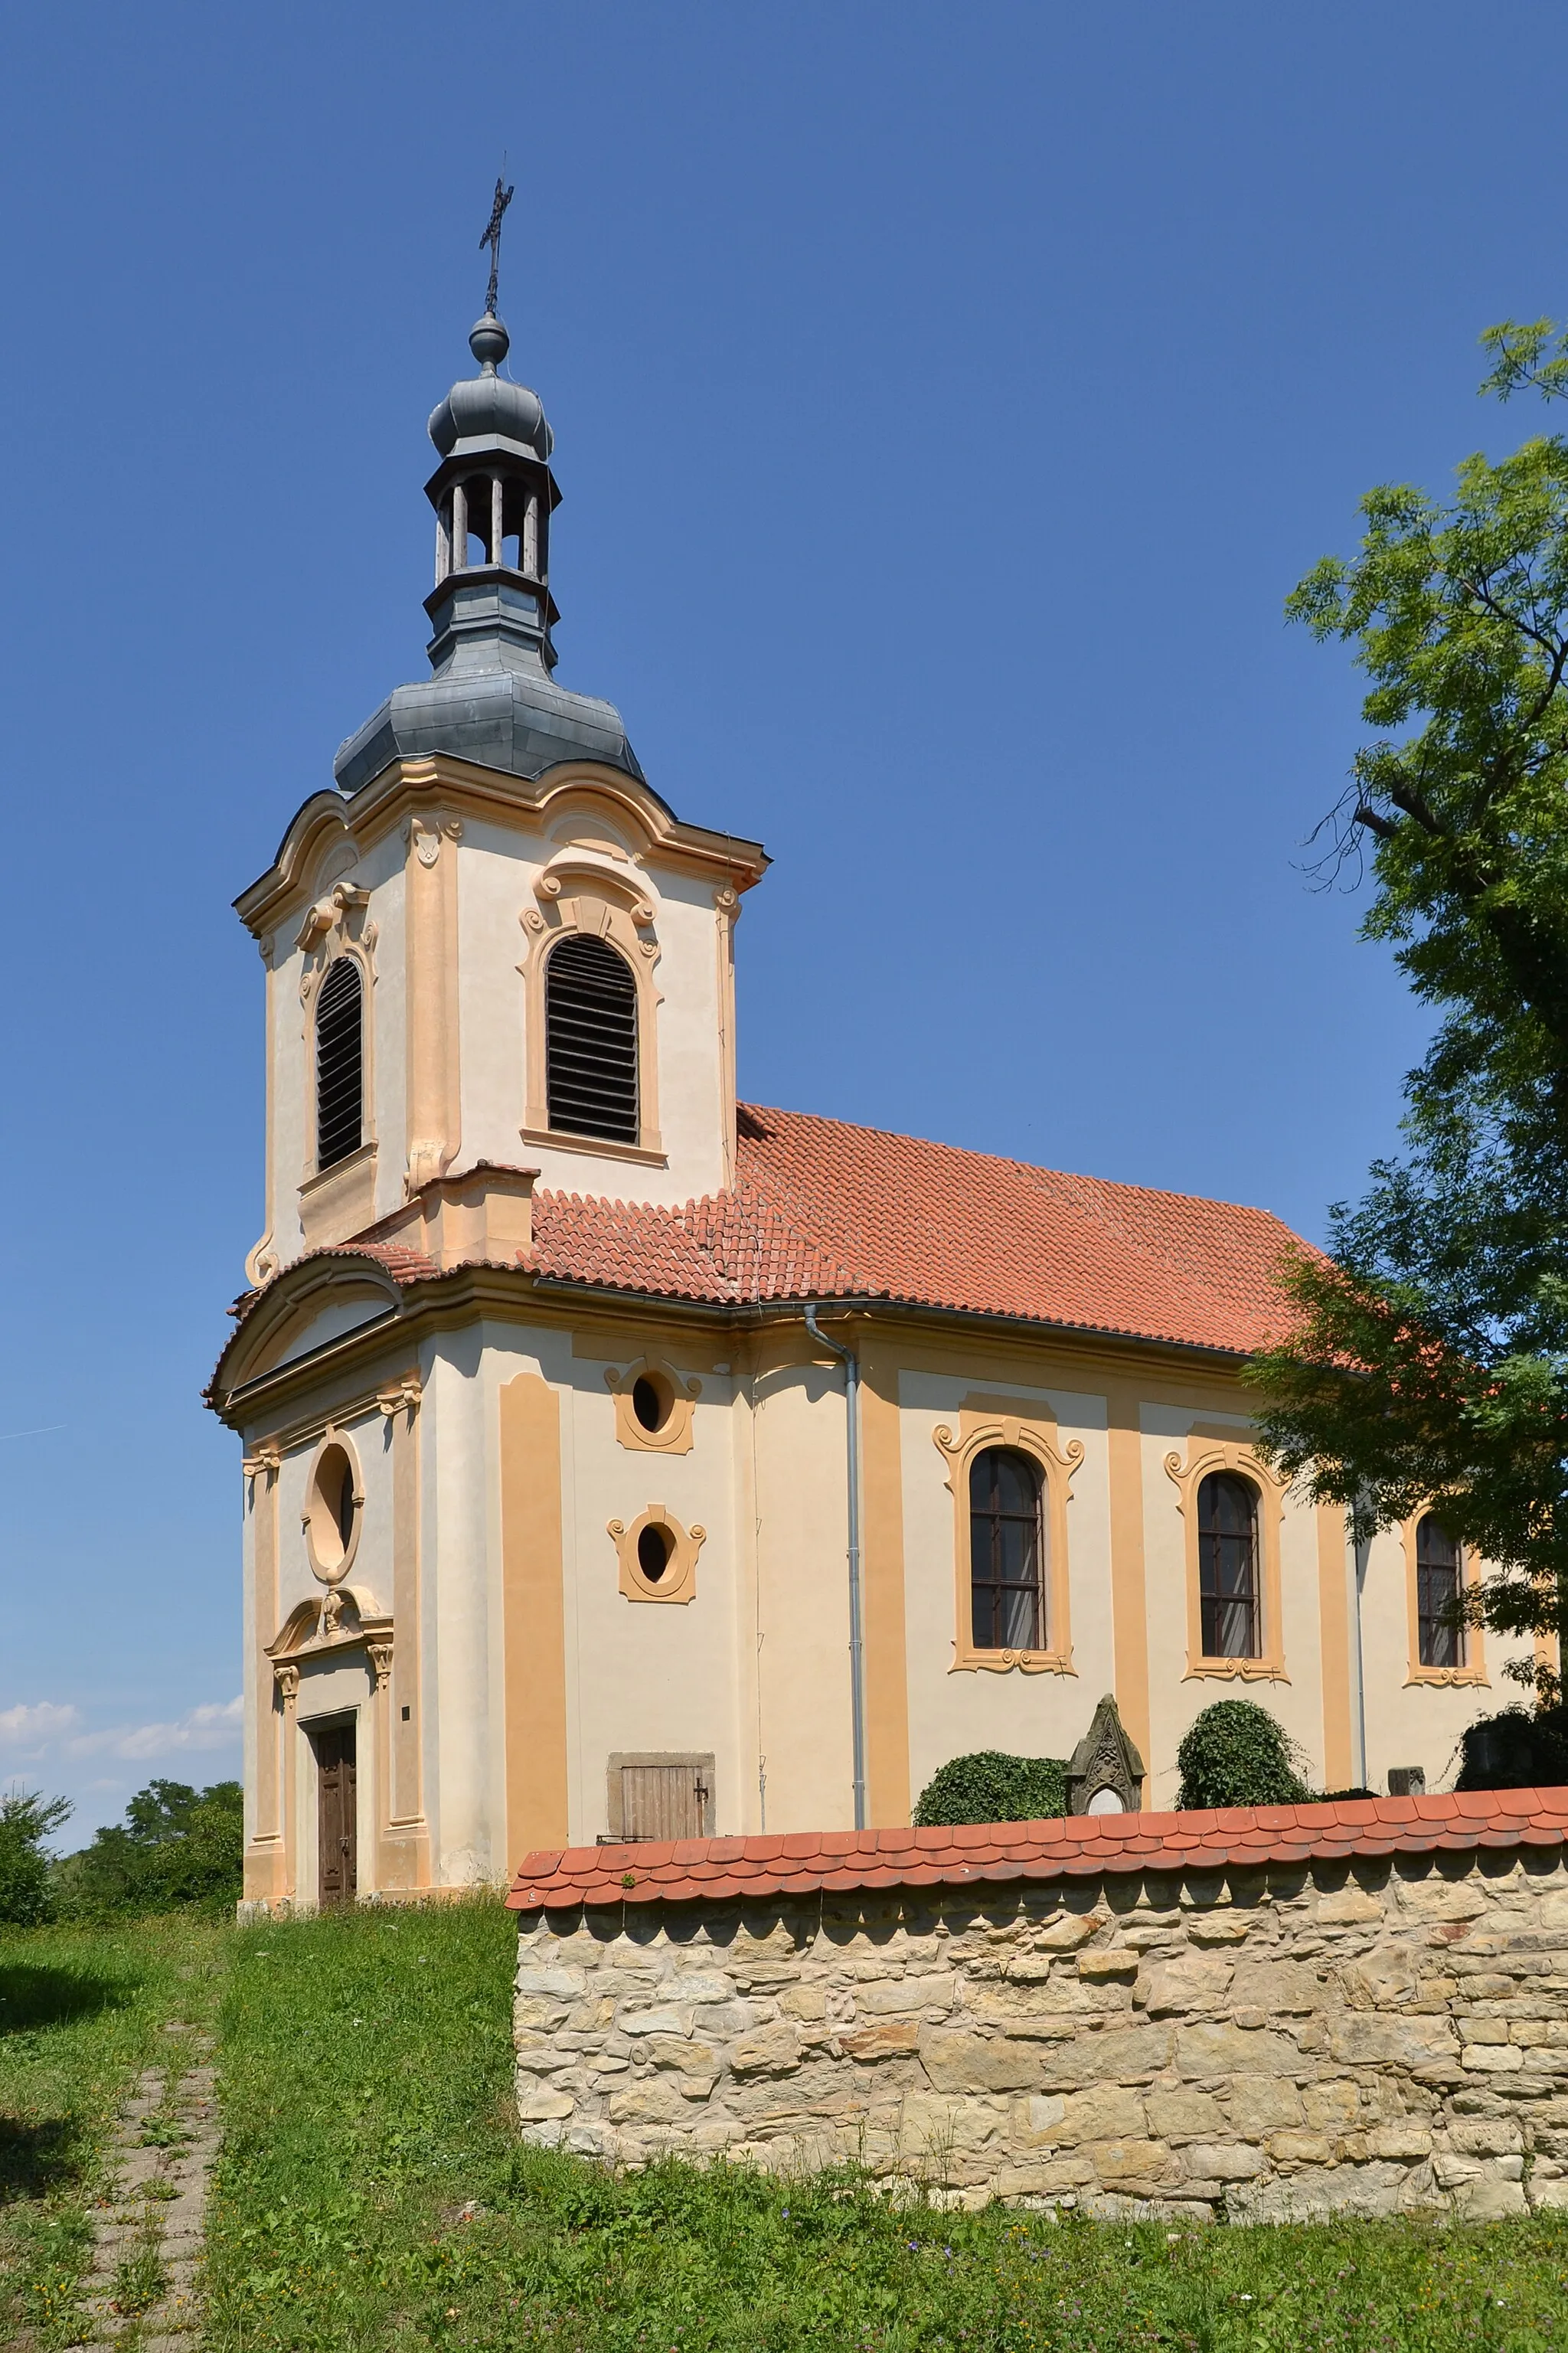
339, 1063
1440, 1640
591, 1039
1006, 1552
1227, 1568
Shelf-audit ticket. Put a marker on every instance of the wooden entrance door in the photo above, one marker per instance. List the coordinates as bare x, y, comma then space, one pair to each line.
337, 1813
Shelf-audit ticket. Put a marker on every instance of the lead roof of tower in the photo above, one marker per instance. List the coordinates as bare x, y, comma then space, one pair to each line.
491, 700
483, 409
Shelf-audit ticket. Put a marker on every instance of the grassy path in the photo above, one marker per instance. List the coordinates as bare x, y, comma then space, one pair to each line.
371, 2195
82, 2014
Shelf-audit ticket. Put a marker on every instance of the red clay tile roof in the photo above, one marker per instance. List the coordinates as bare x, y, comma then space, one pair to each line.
822, 1210
403, 1265
395, 1258
730, 1870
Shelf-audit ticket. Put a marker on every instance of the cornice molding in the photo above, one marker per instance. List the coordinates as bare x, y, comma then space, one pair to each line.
405, 788
286, 1298
469, 1293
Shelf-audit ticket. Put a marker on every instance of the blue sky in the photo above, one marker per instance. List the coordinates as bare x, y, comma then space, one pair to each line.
945, 401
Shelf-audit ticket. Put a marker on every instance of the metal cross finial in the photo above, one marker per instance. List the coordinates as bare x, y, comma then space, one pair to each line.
499, 203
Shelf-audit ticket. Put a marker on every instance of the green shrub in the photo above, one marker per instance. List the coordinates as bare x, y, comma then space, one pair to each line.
26, 1895
988, 1787
1517, 1748
176, 1846
1235, 1754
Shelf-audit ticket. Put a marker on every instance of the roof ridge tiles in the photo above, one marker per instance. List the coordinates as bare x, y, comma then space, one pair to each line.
1080, 1845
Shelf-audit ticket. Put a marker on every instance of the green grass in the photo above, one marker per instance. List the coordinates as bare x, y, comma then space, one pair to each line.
372, 2194
81, 2013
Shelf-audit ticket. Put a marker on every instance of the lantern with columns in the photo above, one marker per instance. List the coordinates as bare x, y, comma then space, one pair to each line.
493, 484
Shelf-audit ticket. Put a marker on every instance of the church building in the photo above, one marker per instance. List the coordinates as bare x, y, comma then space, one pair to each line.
624, 1460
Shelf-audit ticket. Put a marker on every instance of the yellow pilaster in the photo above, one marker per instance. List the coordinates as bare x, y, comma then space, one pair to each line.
534, 1617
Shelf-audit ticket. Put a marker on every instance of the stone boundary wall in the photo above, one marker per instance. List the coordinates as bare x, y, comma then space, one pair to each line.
1364, 2031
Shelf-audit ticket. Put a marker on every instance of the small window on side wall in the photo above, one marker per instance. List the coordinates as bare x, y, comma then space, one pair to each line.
591, 1041
1439, 1569
339, 1063
1227, 1568
1006, 1551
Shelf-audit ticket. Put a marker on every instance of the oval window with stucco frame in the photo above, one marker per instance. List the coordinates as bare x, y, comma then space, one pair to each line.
334, 1505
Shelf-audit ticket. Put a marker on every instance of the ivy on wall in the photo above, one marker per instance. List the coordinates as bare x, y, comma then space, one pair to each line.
1236, 1754
989, 1786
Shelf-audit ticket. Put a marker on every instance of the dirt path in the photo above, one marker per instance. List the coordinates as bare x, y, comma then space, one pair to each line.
140, 2294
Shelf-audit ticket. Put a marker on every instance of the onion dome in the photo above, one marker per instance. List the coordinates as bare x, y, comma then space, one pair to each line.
490, 409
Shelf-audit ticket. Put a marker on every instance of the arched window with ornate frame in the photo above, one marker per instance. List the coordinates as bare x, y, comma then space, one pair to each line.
583, 896
1006, 1552
337, 1190
591, 1041
1011, 1483
1229, 1598
1232, 1508
340, 1062
1438, 1571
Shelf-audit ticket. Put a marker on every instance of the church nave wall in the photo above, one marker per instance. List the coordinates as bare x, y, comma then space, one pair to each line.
1020, 1709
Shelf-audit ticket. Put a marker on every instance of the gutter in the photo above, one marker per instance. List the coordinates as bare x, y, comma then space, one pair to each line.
758, 1314
851, 1363
1360, 1557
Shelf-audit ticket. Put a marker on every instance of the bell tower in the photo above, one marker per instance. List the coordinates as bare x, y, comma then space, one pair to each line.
493, 946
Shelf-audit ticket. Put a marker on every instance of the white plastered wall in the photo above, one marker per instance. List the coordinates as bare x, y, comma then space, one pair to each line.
496, 871
253, 1499
460, 1554
380, 871
650, 1676
1176, 1698
953, 1713
640, 1675
1410, 1723
324, 1689
801, 1589
384, 873
367, 1434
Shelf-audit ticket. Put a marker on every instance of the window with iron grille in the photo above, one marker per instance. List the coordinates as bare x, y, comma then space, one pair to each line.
339, 1063
591, 1041
1227, 1568
1439, 1636
1006, 1551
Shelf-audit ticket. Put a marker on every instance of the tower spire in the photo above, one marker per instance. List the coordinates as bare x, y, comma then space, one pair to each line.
492, 699
499, 203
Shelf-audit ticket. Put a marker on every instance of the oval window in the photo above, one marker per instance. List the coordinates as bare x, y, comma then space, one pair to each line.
329, 1515
654, 1548
650, 1401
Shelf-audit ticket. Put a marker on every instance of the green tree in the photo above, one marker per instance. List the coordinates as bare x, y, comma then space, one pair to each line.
176, 1846
1429, 1360
25, 1821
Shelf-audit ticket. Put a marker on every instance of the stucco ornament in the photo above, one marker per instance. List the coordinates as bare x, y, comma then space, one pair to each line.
346, 1618
426, 837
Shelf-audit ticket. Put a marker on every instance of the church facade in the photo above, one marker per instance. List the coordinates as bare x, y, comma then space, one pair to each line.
622, 1460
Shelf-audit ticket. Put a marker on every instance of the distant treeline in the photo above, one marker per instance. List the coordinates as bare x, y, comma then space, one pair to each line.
177, 1846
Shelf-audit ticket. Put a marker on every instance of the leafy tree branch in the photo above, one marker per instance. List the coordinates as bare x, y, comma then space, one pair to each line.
1427, 1365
